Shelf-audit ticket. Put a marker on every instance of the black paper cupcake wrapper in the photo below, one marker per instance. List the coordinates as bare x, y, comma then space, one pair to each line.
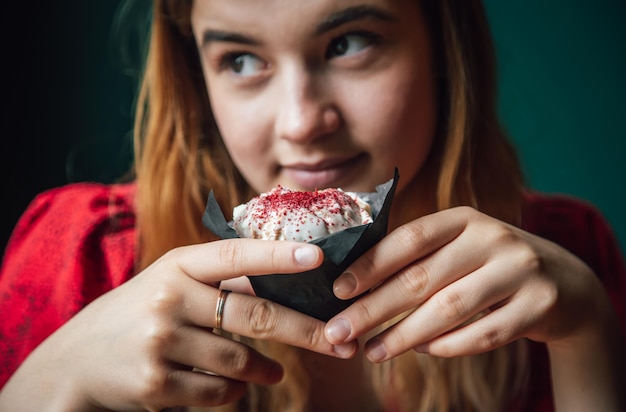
311, 292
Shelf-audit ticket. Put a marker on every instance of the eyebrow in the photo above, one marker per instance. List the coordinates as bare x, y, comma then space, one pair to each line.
352, 14
225, 36
329, 23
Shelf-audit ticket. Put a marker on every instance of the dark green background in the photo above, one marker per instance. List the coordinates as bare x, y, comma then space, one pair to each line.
69, 96
563, 96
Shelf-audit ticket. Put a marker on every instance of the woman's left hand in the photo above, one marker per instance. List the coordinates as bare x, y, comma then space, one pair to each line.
469, 284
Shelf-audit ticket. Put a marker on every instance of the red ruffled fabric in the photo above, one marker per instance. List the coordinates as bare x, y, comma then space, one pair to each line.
72, 244
77, 242
580, 228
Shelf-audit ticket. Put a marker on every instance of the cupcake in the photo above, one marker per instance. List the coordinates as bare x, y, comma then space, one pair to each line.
343, 224
285, 214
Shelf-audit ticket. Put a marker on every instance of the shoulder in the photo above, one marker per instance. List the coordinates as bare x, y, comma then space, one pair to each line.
79, 204
554, 214
71, 245
82, 220
576, 225
85, 199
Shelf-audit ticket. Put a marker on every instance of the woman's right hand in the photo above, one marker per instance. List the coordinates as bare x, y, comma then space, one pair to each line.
134, 348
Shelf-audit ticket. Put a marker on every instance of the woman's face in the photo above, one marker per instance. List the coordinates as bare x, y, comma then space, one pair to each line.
319, 93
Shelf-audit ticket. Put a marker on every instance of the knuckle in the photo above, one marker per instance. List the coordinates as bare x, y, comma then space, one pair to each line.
364, 308
229, 254
470, 213
159, 335
414, 279
520, 250
274, 256
451, 306
160, 329
155, 384
414, 234
315, 337
175, 257
528, 259
172, 254
488, 339
240, 361
397, 342
505, 235
220, 393
164, 298
366, 263
545, 296
163, 303
550, 294
263, 319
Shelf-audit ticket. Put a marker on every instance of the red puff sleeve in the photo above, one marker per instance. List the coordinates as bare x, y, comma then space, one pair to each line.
72, 244
580, 228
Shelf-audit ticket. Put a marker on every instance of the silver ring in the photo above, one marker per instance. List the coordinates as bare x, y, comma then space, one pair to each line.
219, 309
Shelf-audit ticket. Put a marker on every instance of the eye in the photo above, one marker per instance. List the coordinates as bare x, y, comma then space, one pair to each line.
349, 44
243, 64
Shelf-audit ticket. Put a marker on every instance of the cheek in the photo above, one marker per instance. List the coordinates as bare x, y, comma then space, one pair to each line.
400, 127
242, 131
415, 119
232, 130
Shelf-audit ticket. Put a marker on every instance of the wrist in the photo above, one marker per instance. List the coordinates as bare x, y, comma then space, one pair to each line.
588, 364
42, 384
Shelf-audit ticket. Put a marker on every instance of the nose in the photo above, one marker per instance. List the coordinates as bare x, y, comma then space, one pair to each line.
306, 111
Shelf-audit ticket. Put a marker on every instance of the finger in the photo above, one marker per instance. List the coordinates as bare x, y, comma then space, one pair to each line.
207, 351
407, 289
191, 388
510, 320
496, 329
260, 319
239, 285
405, 244
226, 259
448, 309
266, 320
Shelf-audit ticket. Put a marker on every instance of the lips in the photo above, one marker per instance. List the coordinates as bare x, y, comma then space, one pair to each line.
327, 173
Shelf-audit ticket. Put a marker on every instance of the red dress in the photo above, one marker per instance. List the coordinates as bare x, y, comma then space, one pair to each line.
77, 242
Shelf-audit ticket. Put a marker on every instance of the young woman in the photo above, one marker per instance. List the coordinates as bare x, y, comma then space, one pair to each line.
484, 296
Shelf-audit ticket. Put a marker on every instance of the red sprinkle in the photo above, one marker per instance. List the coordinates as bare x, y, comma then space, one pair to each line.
279, 199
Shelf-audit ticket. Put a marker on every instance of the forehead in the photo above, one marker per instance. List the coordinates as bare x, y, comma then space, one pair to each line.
285, 15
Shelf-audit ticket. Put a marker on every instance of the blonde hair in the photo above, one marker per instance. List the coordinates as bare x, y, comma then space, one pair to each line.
180, 157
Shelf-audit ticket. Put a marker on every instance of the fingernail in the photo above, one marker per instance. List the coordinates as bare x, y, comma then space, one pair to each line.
345, 284
345, 350
276, 373
306, 255
423, 348
376, 351
338, 330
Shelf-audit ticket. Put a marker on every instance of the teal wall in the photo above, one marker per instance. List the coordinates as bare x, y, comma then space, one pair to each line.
562, 67
563, 97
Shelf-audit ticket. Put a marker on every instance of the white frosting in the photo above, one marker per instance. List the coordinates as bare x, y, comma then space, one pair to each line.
284, 214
